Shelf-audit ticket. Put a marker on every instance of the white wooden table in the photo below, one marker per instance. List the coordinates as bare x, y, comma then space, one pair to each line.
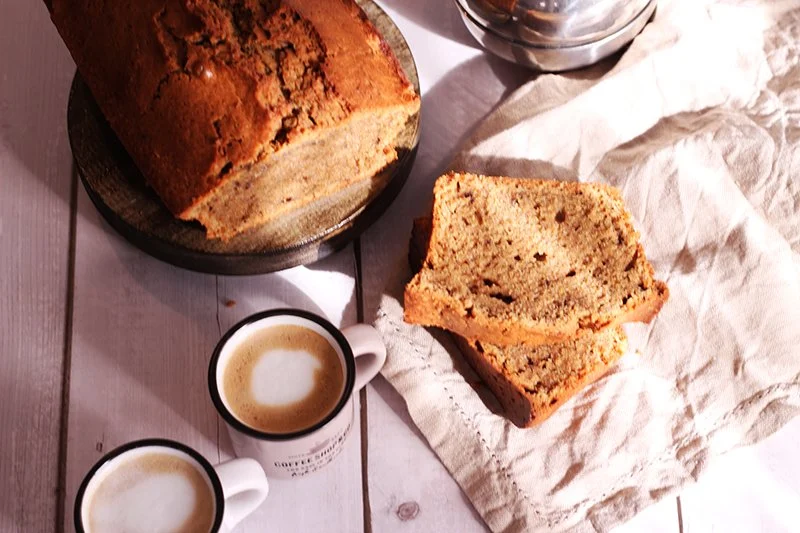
101, 344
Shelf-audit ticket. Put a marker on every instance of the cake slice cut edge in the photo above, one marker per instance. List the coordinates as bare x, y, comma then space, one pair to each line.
355, 150
523, 261
531, 383
521, 377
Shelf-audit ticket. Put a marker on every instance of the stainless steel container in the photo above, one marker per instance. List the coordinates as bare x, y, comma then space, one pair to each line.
555, 35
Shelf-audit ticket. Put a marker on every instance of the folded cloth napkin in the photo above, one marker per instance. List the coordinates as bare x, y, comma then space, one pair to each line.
698, 123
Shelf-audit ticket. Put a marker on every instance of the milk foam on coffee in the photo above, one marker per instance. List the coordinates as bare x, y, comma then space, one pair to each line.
153, 489
282, 378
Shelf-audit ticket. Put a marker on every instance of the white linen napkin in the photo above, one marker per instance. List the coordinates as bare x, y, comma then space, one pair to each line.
698, 124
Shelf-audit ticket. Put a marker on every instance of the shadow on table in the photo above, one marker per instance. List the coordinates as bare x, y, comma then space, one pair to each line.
98, 440
465, 96
440, 17
173, 320
31, 451
456, 104
450, 111
522, 168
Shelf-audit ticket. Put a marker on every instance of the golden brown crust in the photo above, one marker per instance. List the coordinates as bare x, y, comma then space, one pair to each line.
354, 48
648, 311
200, 91
361, 65
422, 308
427, 309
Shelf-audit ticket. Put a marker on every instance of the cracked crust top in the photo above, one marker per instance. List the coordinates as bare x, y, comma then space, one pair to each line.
196, 89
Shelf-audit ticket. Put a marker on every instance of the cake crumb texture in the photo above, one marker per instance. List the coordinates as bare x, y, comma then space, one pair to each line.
524, 261
531, 382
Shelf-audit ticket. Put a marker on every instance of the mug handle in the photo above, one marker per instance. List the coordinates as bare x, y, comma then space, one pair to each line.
244, 486
365, 340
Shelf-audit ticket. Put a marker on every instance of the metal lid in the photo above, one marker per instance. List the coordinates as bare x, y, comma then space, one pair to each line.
554, 23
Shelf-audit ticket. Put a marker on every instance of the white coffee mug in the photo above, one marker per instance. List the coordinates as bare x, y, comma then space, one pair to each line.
238, 487
361, 353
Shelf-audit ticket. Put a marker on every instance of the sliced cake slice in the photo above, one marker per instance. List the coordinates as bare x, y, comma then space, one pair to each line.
531, 382
525, 261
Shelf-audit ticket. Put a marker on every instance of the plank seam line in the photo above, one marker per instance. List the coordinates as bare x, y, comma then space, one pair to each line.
216, 302
66, 369
219, 335
362, 396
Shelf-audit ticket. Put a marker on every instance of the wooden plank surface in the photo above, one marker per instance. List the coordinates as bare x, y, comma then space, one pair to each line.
143, 332
143, 335
330, 500
409, 489
35, 185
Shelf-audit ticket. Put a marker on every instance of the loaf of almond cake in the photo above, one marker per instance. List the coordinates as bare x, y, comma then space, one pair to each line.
240, 111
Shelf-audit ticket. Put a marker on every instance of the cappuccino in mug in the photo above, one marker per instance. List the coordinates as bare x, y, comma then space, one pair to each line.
159, 485
153, 489
283, 379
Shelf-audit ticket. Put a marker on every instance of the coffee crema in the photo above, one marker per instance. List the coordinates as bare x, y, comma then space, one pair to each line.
149, 492
283, 379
